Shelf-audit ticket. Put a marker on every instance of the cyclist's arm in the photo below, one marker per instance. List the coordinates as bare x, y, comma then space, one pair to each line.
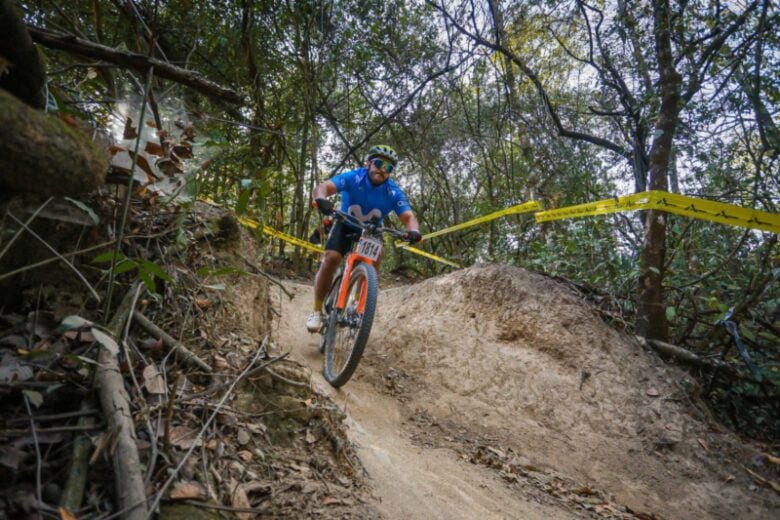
409, 221
324, 190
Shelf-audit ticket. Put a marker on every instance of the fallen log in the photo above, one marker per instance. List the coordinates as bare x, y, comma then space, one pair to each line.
75, 484
115, 402
40, 153
687, 356
677, 352
133, 61
171, 343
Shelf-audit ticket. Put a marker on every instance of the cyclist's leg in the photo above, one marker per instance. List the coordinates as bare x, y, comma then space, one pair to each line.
330, 264
339, 243
328, 267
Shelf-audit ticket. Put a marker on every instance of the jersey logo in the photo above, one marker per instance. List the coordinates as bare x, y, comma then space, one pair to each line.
357, 212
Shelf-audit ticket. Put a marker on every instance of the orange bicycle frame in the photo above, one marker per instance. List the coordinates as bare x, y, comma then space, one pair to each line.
352, 259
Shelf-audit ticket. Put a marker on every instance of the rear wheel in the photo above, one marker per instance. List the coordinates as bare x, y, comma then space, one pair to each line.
348, 329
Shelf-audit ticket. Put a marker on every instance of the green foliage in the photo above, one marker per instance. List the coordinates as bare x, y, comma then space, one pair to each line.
146, 270
243, 200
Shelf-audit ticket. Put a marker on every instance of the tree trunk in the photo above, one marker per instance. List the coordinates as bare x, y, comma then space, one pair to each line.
298, 226
40, 153
651, 321
24, 76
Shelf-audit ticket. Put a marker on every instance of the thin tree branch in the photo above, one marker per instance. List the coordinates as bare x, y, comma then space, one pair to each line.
354, 147
24, 226
133, 61
38, 460
531, 75
54, 259
707, 55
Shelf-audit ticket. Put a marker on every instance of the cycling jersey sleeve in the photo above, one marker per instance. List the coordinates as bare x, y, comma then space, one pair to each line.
400, 204
345, 181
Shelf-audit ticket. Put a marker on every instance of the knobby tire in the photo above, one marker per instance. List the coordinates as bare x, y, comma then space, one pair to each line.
351, 339
328, 305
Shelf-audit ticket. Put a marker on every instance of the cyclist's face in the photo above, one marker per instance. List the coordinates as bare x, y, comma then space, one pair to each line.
376, 174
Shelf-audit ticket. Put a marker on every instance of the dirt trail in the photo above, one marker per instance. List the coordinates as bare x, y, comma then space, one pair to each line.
519, 402
408, 480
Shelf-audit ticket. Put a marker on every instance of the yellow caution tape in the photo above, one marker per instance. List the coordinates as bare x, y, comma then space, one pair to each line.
602, 207
728, 214
315, 249
293, 240
671, 203
281, 235
525, 207
248, 222
431, 256
659, 200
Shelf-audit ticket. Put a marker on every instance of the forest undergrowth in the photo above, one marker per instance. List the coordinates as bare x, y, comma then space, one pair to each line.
222, 421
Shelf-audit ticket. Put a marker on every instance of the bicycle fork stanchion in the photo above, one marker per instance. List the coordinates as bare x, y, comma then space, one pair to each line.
348, 266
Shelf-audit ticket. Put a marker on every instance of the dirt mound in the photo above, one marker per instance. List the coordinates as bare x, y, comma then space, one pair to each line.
517, 358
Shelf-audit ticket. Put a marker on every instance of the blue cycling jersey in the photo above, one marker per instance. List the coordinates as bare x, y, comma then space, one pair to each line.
363, 200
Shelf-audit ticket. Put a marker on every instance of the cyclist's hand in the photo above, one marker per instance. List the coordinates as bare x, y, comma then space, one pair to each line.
413, 236
324, 205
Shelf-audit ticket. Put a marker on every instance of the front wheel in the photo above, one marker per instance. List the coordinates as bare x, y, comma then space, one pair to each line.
328, 308
348, 328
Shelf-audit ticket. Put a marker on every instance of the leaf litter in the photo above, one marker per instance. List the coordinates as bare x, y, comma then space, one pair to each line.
275, 449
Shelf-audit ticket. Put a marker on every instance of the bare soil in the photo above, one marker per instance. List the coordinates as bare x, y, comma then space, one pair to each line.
493, 392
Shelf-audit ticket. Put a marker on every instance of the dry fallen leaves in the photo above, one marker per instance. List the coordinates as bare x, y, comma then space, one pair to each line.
153, 380
184, 437
243, 437
66, 515
258, 428
245, 455
188, 491
240, 500
219, 362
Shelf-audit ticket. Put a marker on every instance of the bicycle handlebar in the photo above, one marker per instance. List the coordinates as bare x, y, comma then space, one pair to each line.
353, 221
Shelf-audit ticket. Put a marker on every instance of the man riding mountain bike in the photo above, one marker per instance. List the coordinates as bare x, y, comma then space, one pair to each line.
368, 194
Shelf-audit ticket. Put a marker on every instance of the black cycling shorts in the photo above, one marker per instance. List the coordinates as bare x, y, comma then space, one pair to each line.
342, 238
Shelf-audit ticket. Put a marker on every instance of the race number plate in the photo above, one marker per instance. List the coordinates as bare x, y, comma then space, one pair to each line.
370, 247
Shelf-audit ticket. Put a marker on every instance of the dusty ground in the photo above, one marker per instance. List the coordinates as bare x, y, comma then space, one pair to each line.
496, 393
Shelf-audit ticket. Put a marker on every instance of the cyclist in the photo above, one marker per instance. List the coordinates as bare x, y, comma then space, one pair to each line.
368, 194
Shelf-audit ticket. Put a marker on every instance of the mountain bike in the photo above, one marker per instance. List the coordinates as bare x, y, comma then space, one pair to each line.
351, 302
